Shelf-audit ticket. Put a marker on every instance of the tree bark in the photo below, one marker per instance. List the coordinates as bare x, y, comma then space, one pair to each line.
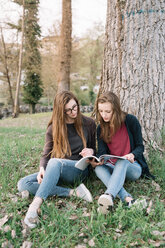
32, 108
16, 102
65, 46
134, 60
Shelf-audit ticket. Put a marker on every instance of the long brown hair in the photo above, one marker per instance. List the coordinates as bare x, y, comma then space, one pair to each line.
108, 129
61, 147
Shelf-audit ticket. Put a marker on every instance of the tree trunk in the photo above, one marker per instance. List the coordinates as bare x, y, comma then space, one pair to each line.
32, 108
16, 102
134, 60
65, 46
7, 70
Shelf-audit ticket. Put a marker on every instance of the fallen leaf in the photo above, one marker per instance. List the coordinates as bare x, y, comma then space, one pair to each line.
14, 198
134, 243
137, 230
149, 207
7, 228
13, 234
80, 246
44, 217
157, 186
91, 243
3, 221
85, 240
157, 233
96, 197
161, 224
156, 243
118, 230
85, 214
7, 244
24, 225
39, 211
26, 244
117, 235
71, 205
25, 232
73, 217
120, 225
61, 204
81, 235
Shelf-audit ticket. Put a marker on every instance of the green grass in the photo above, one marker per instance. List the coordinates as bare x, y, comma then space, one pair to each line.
71, 222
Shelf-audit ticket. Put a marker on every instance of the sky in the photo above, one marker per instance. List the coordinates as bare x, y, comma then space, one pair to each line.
84, 14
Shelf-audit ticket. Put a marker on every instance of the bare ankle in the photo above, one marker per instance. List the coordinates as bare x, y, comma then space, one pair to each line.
128, 199
71, 192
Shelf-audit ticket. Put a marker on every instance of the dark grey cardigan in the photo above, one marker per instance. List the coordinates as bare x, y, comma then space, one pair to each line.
136, 143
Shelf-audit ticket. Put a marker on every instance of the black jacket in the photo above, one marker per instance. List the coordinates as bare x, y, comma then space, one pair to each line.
136, 143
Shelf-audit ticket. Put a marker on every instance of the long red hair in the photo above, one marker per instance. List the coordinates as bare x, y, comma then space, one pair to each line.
108, 129
61, 147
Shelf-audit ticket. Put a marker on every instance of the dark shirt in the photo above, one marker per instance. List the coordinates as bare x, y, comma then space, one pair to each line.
76, 145
136, 142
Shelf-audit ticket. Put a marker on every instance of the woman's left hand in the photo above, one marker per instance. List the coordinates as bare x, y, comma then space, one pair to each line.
130, 157
86, 152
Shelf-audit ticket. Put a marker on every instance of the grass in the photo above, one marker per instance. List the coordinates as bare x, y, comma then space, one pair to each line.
72, 222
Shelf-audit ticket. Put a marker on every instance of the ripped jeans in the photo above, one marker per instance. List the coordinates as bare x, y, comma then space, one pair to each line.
57, 171
113, 176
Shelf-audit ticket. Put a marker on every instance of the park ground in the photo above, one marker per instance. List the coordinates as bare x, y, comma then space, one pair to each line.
72, 222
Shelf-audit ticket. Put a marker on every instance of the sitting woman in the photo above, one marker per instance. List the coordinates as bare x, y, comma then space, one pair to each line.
118, 134
69, 137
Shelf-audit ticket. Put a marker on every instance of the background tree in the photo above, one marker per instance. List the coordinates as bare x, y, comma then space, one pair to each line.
133, 65
65, 46
86, 63
16, 101
4, 59
32, 84
50, 62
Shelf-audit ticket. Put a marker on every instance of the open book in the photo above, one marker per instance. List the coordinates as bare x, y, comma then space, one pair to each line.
82, 163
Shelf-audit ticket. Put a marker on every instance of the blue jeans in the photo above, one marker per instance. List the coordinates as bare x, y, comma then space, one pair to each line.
114, 176
57, 171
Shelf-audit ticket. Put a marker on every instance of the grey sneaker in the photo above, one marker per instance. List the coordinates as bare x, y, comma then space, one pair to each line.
84, 193
105, 202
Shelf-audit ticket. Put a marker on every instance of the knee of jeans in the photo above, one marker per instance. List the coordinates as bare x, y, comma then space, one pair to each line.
98, 170
121, 162
135, 175
20, 185
53, 162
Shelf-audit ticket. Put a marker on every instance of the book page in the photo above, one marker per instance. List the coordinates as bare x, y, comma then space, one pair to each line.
82, 163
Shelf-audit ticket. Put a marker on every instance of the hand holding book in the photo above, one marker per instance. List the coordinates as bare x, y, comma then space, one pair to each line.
94, 162
86, 152
85, 161
130, 157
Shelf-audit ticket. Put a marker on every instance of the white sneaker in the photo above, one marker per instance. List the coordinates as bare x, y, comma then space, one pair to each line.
139, 203
105, 202
84, 193
31, 219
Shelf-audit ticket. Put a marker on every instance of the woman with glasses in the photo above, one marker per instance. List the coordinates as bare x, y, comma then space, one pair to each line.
69, 137
118, 134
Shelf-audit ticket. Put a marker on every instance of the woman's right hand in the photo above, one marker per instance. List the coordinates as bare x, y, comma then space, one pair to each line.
40, 175
93, 162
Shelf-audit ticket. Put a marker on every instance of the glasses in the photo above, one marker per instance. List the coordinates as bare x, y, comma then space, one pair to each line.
69, 110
